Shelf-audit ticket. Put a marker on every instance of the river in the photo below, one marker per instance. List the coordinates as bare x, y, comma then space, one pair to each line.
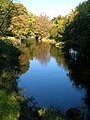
53, 79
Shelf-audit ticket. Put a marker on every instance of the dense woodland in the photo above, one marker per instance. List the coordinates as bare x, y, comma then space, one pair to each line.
73, 29
16, 23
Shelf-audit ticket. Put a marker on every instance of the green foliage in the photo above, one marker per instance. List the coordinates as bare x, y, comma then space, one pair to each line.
8, 80
77, 32
15, 20
53, 32
9, 62
58, 27
5, 8
32, 18
8, 55
20, 22
50, 114
9, 106
74, 29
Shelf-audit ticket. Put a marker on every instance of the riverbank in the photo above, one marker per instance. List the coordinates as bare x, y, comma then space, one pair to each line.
17, 41
12, 40
12, 105
58, 45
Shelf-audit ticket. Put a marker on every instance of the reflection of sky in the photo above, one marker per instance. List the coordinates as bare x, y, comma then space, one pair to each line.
50, 85
51, 7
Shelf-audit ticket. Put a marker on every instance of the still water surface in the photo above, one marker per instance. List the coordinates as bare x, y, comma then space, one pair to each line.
47, 79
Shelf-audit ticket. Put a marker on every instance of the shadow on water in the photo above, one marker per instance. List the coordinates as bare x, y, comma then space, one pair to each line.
79, 73
78, 67
14, 62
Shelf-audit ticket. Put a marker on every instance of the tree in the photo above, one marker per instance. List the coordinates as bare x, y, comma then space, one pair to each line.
20, 22
58, 27
5, 9
42, 26
77, 32
31, 24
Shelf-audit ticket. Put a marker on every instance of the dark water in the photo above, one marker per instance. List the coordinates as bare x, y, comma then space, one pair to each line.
55, 80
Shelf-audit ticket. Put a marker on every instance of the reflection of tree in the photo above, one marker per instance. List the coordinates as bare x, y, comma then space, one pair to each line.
79, 73
24, 59
41, 51
78, 70
59, 56
32, 51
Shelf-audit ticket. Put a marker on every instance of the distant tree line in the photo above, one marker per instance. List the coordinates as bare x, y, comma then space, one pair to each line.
74, 29
16, 21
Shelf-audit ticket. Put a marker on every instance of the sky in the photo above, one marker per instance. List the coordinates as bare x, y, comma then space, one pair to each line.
52, 8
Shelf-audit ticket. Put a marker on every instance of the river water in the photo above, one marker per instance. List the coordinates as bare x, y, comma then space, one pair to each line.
52, 79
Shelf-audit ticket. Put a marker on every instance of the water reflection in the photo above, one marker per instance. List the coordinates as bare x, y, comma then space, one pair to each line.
67, 69
40, 52
24, 59
79, 73
59, 56
43, 53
